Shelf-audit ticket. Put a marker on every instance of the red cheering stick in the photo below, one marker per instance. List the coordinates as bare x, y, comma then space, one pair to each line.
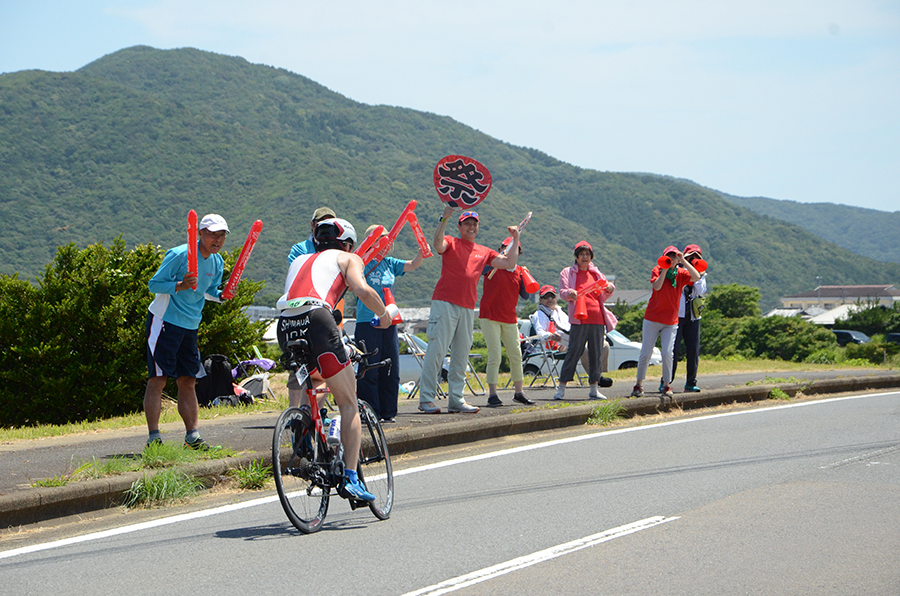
192, 244
238, 270
581, 300
370, 240
381, 248
581, 312
664, 262
461, 182
388, 300
383, 244
700, 265
420, 237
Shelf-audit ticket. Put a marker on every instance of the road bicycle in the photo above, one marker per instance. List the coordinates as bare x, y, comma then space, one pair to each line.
307, 468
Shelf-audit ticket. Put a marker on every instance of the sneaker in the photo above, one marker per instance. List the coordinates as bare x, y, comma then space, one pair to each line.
667, 391
356, 490
560, 394
428, 407
662, 387
638, 391
596, 395
198, 445
494, 402
463, 408
388, 421
158, 441
520, 397
691, 389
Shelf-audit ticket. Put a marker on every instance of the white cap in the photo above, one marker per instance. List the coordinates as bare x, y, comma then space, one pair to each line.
214, 223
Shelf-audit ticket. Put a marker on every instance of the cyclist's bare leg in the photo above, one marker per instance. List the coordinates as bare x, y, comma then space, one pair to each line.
343, 388
188, 408
298, 397
153, 401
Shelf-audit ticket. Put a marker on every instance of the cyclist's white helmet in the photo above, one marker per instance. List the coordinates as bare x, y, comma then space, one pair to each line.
333, 230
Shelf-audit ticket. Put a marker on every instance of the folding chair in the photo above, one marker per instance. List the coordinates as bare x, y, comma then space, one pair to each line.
417, 347
545, 359
471, 370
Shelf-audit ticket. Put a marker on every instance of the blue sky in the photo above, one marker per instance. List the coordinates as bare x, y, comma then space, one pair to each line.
788, 99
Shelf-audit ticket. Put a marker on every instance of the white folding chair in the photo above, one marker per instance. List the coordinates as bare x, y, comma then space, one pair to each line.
417, 347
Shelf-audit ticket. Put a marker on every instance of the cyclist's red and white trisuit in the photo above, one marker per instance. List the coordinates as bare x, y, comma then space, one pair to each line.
314, 285
312, 280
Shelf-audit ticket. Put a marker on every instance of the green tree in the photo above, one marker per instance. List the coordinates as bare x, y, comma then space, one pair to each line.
74, 346
733, 301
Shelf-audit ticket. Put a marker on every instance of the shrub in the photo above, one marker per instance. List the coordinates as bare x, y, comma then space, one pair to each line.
74, 345
874, 352
824, 356
783, 338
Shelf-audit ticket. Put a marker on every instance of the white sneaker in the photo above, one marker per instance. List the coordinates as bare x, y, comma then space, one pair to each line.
560, 394
596, 395
463, 408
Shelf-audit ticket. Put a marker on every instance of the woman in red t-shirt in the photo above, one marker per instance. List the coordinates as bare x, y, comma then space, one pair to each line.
499, 323
661, 316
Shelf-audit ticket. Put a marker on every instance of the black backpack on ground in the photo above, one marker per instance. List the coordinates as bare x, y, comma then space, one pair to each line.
217, 382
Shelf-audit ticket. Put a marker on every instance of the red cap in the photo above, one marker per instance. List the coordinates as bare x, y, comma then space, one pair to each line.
584, 244
548, 289
466, 215
692, 249
670, 249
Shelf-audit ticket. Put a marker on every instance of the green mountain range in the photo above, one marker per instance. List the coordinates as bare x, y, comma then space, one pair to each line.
867, 232
129, 143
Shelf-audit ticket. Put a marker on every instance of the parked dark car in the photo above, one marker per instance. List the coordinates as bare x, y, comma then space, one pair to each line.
892, 337
845, 337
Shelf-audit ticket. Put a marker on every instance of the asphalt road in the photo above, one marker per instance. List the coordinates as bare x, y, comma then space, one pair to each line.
793, 499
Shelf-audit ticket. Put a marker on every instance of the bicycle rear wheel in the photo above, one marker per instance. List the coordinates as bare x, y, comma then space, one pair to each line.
374, 467
296, 454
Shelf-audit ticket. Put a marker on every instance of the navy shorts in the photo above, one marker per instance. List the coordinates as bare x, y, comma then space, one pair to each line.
171, 350
317, 327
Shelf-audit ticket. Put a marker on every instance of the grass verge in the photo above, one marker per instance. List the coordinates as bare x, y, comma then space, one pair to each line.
166, 455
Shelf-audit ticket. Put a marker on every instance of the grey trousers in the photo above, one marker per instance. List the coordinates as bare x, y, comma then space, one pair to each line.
594, 336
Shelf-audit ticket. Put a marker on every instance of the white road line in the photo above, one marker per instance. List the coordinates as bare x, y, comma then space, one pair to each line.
463, 581
136, 527
415, 470
609, 433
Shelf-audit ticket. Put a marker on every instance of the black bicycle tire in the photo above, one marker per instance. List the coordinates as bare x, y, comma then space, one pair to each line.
282, 459
375, 462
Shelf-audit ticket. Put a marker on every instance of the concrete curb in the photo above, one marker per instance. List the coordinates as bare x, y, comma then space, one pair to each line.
44, 503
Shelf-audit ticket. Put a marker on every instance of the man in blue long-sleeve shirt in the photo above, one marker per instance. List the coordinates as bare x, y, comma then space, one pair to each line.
172, 325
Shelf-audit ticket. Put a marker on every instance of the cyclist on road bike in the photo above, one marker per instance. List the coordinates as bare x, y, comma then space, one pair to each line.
315, 283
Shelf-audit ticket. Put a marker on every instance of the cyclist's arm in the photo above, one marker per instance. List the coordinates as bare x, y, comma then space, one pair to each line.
352, 268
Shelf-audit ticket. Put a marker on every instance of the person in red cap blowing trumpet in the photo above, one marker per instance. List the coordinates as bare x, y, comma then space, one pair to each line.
661, 316
689, 305
589, 324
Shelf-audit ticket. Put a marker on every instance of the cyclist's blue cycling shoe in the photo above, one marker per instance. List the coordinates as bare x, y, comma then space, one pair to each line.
356, 490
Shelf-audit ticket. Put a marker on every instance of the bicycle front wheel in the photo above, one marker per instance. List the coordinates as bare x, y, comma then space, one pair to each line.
297, 453
374, 467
